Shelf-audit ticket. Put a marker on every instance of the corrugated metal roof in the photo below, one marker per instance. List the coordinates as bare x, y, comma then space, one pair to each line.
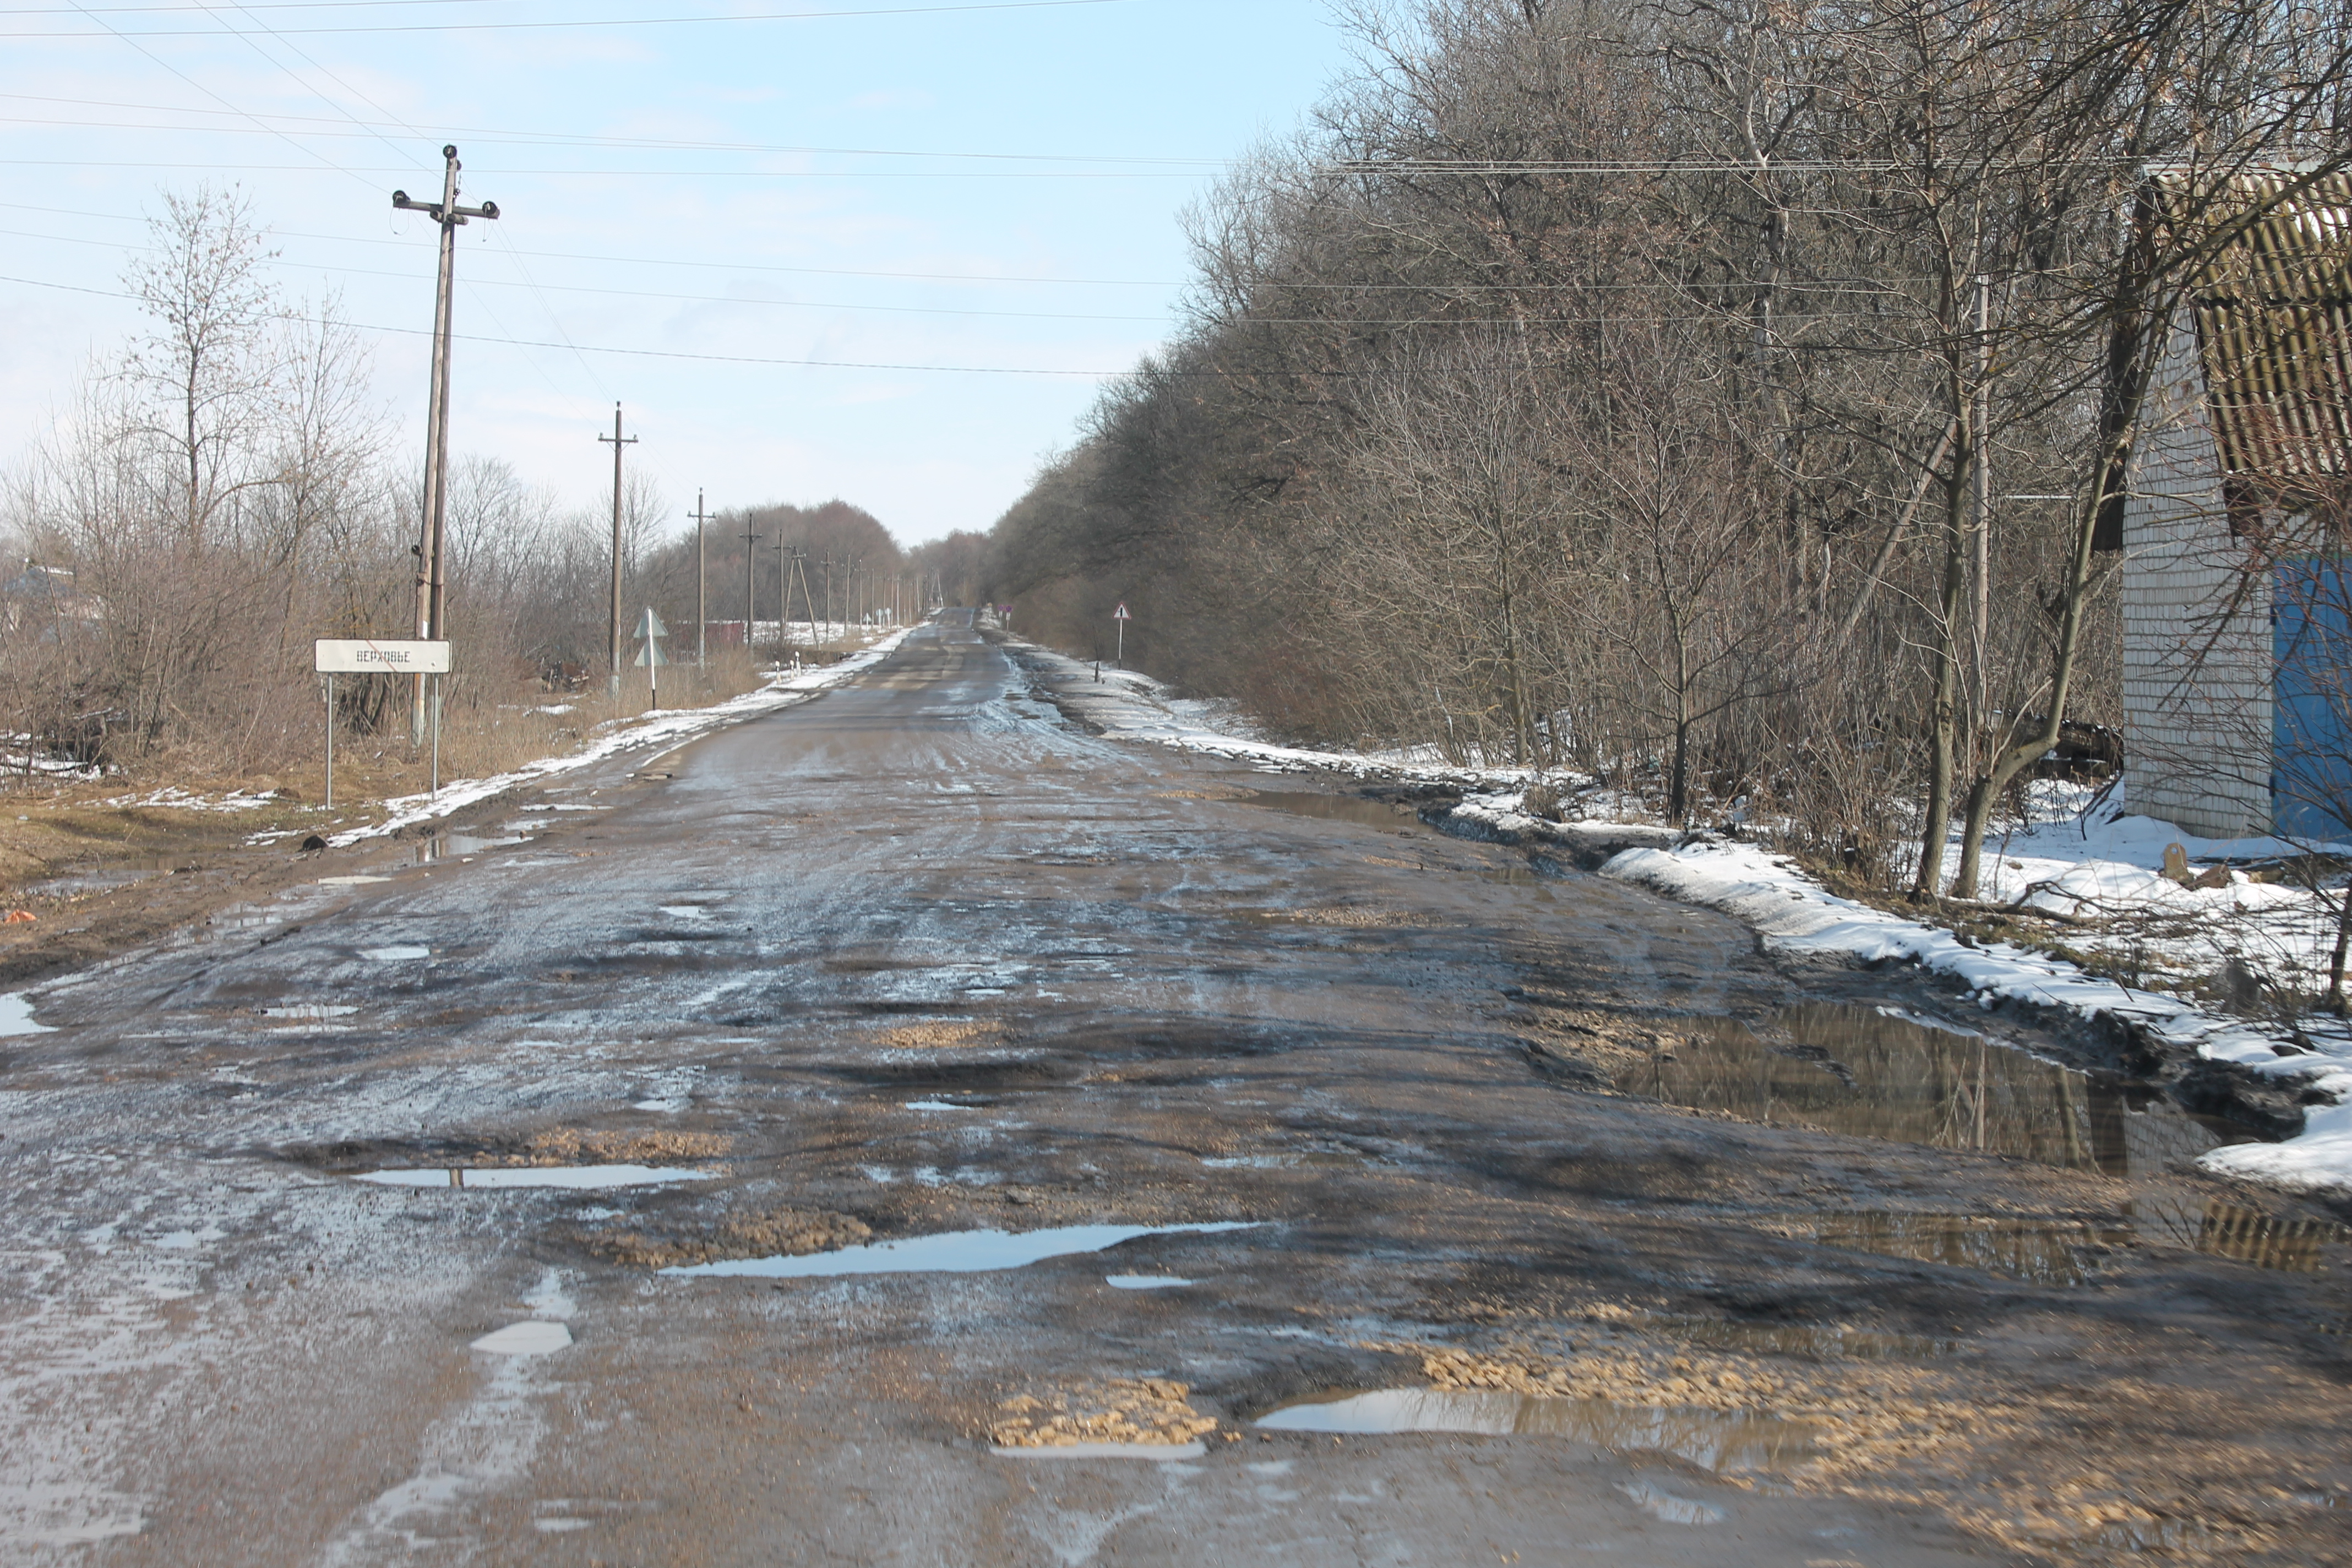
2273, 312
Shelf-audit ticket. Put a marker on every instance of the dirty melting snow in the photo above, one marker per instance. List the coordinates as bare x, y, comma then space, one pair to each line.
950, 1252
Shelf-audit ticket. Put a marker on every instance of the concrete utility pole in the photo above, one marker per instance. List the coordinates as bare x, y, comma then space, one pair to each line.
433, 533
617, 443
750, 576
701, 581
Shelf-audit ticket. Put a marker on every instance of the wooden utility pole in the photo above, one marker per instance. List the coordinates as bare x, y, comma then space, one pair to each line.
618, 442
701, 583
431, 585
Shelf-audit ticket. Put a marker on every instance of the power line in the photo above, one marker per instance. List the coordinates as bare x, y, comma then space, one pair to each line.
265, 6
570, 24
613, 173
478, 133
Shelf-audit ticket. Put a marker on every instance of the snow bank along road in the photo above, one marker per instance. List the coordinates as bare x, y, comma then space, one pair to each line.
1316, 1106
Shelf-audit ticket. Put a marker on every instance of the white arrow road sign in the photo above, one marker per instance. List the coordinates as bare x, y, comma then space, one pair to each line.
363, 656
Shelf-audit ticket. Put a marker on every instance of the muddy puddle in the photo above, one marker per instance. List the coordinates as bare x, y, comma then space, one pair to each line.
17, 1016
106, 879
1875, 1073
1332, 807
581, 1178
950, 1252
1718, 1440
459, 847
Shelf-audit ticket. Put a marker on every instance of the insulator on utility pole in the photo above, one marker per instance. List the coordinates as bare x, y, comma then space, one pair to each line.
431, 584
618, 442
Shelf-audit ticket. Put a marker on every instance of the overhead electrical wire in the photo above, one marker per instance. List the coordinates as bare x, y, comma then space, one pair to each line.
571, 22
496, 135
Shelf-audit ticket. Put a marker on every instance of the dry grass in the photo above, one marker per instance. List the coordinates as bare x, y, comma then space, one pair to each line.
1353, 917
1116, 1410
779, 1233
578, 1146
938, 1036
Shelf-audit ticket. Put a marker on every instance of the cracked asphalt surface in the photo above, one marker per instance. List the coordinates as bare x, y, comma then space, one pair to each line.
919, 956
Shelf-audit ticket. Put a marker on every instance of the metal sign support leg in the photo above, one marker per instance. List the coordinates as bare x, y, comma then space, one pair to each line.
331, 742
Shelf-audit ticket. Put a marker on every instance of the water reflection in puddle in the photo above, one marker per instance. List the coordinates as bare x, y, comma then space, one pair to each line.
1332, 807
456, 846
1874, 1073
17, 1016
1144, 1281
2043, 1252
584, 1177
1823, 1343
2221, 1228
1713, 1439
106, 879
951, 1252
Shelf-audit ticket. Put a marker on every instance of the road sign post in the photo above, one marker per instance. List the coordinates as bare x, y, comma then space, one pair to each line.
367, 656
1123, 617
650, 659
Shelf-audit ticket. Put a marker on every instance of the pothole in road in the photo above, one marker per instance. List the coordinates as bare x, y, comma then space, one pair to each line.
1716, 1440
1870, 1072
952, 1252
589, 1178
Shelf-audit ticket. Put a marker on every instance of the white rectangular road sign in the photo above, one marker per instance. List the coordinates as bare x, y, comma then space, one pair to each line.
362, 657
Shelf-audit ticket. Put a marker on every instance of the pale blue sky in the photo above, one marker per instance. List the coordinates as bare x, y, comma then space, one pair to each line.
1066, 256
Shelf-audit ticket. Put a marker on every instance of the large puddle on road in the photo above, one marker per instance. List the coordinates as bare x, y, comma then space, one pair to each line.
1332, 807
1718, 1440
951, 1252
1875, 1073
589, 1178
2042, 1252
17, 1016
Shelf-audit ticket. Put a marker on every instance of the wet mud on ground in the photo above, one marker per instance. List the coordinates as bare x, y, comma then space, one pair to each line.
1554, 1223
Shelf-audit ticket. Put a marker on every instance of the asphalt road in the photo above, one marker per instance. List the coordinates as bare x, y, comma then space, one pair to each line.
920, 957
